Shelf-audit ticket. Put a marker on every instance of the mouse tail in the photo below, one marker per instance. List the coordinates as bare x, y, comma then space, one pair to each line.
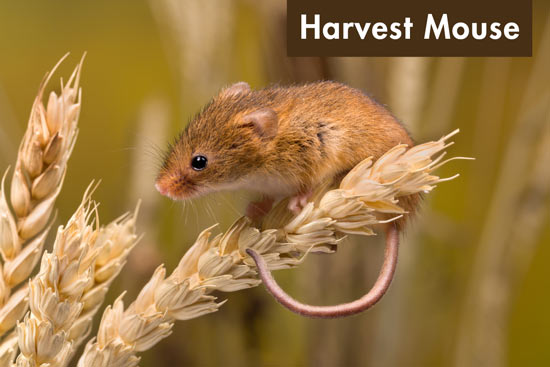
341, 310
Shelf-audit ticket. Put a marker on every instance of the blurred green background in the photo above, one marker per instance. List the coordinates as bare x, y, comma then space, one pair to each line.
472, 287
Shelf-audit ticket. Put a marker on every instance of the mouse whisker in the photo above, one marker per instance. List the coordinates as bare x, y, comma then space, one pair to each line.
209, 210
230, 205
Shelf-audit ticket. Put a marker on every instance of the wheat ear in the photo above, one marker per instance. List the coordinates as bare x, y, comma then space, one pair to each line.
221, 263
114, 243
71, 285
35, 185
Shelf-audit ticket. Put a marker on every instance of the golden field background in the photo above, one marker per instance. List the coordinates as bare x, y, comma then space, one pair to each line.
472, 285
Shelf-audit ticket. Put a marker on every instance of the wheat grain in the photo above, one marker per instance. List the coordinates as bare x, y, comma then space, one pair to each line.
8, 349
221, 263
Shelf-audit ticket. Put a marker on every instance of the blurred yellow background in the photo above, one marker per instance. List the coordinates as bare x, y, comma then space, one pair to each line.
472, 286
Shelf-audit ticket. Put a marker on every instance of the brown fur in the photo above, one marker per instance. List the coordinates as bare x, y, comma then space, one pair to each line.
324, 129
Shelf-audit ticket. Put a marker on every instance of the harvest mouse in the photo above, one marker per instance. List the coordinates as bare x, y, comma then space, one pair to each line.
280, 141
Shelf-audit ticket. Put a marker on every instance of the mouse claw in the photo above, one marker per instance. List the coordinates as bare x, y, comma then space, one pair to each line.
298, 202
293, 205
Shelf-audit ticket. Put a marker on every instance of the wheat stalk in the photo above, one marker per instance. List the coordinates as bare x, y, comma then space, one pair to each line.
36, 182
221, 263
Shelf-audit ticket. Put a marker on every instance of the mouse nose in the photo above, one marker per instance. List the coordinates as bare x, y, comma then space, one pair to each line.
162, 189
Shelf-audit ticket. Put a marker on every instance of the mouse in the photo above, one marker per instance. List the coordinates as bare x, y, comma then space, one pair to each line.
280, 141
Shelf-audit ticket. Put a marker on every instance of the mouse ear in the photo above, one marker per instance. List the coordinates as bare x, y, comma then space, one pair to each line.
265, 122
235, 89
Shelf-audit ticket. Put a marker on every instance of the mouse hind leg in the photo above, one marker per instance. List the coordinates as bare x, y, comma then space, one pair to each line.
298, 201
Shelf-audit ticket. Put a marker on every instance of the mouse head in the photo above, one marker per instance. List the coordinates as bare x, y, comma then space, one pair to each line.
222, 147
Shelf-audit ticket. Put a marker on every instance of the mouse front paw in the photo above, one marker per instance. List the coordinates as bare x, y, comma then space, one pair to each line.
257, 209
297, 202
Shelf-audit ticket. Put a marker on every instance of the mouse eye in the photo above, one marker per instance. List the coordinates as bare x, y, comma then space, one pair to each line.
199, 162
